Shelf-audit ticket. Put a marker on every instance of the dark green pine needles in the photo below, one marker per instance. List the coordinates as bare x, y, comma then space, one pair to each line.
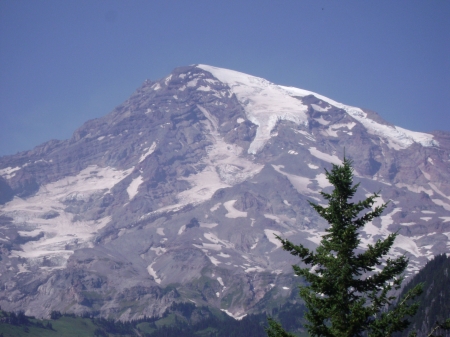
349, 291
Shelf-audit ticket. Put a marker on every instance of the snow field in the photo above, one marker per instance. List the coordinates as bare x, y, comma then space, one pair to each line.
264, 103
62, 231
397, 138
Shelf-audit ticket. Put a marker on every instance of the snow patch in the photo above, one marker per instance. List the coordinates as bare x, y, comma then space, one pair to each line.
232, 174
182, 229
152, 273
8, 172
437, 190
167, 80
132, 189
321, 120
408, 223
192, 83
272, 217
322, 180
257, 269
149, 152
332, 130
204, 88
22, 269
213, 260
300, 183
213, 238
237, 317
255, 244
439, 202
415, 188
215, 207
233, 212
324, 156
208, 225
158, 250
306, 135
270, 234
407, 244
206, 246
378, 201
320, 109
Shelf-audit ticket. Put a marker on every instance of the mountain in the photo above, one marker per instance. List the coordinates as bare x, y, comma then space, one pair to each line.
434, 302
176, 195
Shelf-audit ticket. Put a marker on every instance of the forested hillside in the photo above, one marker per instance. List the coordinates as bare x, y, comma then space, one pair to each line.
188, 320
181, 319
435, 299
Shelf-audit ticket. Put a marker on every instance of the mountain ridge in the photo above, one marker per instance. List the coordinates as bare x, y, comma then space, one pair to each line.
103, 222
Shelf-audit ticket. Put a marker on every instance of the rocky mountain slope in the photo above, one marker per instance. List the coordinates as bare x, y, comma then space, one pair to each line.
177, 194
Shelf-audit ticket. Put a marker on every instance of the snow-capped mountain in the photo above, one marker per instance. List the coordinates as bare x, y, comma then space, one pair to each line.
178, 193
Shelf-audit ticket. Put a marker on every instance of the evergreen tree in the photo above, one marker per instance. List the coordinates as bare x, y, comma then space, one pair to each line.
349, 290
433, 315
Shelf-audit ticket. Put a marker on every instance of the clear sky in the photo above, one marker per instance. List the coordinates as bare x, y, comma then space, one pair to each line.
64, 62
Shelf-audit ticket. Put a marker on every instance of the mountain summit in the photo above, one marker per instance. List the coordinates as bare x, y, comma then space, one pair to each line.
177, 194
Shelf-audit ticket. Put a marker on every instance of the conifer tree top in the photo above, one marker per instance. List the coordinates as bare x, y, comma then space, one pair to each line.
349, 287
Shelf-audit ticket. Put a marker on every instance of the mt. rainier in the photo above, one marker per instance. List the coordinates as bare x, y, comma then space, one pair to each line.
177, 193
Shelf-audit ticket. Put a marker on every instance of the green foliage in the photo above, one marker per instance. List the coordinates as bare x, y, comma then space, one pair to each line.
434, 308
439, 326
275, 329
349, 290
180, 319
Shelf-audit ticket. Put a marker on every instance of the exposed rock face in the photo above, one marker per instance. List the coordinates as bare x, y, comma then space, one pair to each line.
176, 196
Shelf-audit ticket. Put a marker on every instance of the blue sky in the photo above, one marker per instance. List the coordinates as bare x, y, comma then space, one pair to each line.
64, 62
